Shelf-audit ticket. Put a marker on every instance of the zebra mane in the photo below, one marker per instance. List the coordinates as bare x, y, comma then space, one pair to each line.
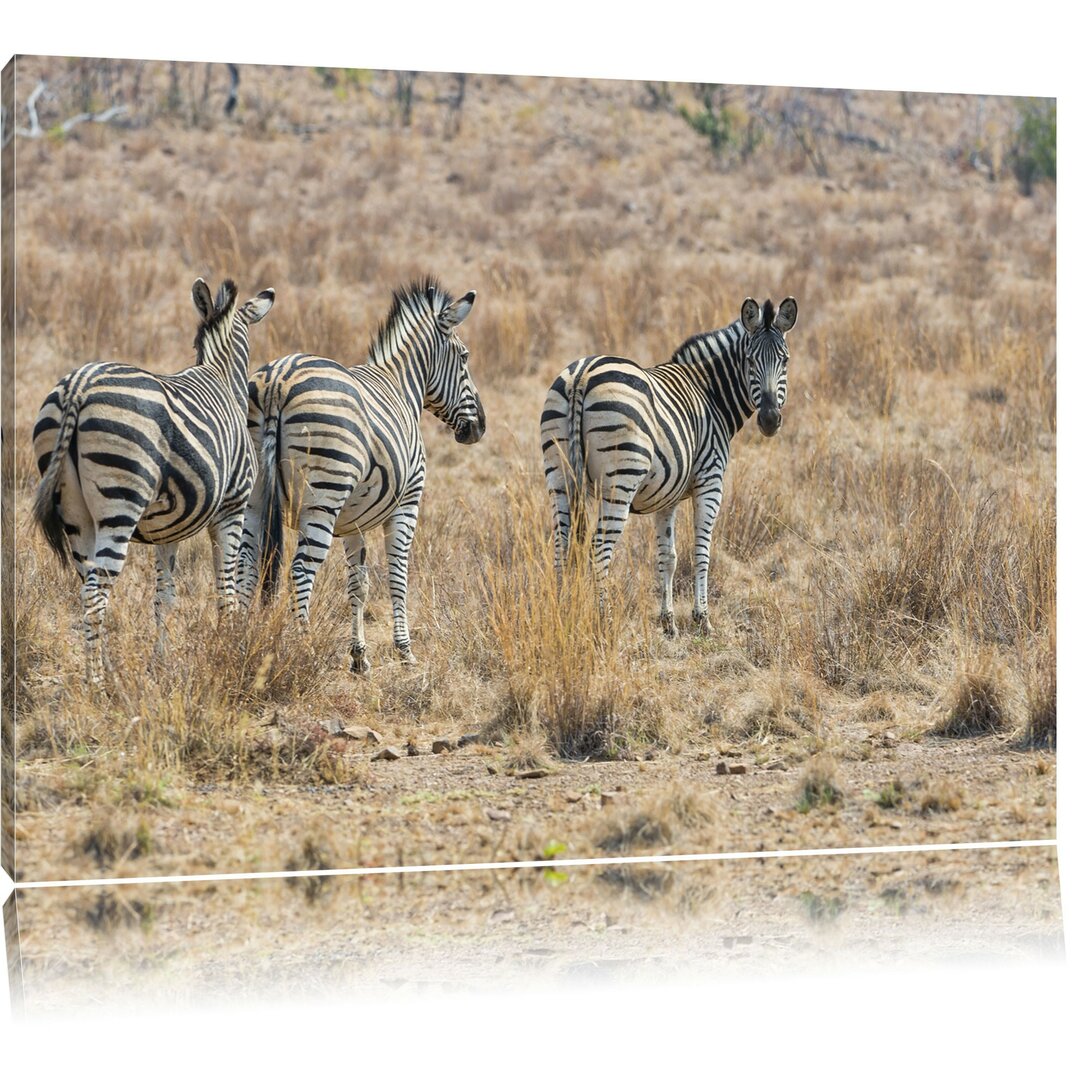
768, 313
223, 305
708, 339
408, 303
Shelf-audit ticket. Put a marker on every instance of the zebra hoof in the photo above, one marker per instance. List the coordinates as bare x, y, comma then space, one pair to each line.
360, 664
407, 658
667, 624
702, 626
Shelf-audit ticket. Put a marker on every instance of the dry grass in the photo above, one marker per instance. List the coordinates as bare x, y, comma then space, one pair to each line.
818, 785
901, 524
975, 706
663, 821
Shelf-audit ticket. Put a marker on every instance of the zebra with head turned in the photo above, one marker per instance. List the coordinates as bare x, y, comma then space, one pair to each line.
644, 439
126, 455
341, 451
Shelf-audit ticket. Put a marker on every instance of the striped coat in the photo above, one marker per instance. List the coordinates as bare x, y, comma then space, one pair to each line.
644, 439
342, 453
129, 456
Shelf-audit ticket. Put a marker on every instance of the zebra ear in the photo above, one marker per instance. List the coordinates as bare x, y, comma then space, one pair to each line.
258, 306
204, 302
454, 314
786, 315
750, 315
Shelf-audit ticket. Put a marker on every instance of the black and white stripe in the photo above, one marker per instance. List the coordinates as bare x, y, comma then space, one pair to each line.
126, 455
341, 451
644, 439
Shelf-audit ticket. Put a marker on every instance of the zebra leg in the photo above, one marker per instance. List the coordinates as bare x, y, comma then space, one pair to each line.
706, 507
95, 600
247, 560
398, 535
164, 591
356, 557
316, 527
225, 545
561, 513
609, 529
665, 568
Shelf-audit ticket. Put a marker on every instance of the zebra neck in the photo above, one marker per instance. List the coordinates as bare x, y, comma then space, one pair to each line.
408, 371
231, 367
718, 359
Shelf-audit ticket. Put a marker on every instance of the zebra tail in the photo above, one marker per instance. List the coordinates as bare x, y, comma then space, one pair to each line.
46, 511
575, 447
273, 537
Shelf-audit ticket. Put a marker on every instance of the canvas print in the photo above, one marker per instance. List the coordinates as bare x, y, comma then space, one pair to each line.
413, 468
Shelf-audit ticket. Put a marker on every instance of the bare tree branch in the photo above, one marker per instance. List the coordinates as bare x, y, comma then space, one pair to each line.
35, 130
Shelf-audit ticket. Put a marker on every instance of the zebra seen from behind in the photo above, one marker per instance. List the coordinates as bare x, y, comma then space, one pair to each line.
341, 452
127, 455
644, 439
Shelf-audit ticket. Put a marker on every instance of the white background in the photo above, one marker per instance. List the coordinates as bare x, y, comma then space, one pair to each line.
981, 1022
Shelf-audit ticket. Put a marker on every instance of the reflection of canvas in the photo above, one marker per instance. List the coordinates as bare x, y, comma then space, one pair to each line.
880, 668
355, 938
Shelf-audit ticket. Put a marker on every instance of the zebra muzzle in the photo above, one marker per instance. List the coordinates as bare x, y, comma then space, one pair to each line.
769, 420
469, 431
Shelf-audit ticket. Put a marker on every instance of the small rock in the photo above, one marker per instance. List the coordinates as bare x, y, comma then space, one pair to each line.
702, 755
532, 774
442, 746
497, 815
387, 753
332, 725
889, 739
492, 771
573, 797
776, 766
734, 769
412, 749
607, 798
362, 734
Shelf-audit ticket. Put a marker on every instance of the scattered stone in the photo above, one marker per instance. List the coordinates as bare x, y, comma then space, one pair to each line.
776, 766
332, 725
468, 740
607, 798
702, 755
361, 734
889, 739
497, 815
442, 746
573, 797
532, 774
492, 771
735, 769
412, 749
387, 753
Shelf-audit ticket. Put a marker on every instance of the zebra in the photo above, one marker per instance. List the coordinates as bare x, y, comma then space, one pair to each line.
644, 439
126, 455
341, 452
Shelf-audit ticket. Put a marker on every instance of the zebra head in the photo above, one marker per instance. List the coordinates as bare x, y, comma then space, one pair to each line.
766, 354
222, 337
451, 393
